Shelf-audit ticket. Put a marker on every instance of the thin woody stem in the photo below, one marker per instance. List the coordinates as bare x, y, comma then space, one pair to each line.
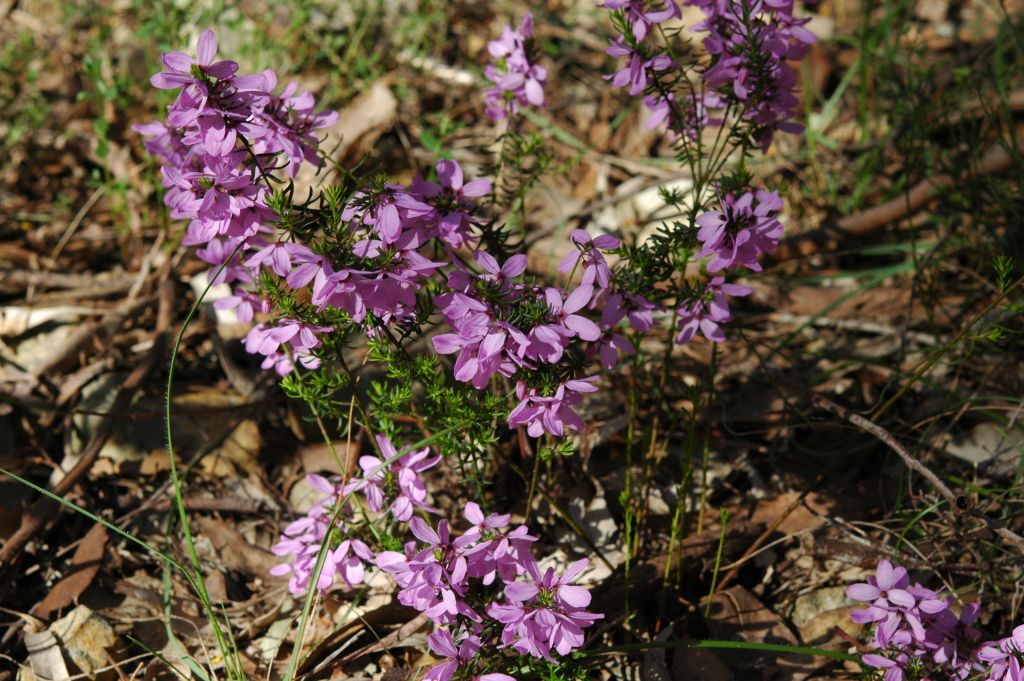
961, 504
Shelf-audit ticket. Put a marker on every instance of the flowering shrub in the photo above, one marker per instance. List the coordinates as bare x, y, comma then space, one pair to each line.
918, 636
382, 263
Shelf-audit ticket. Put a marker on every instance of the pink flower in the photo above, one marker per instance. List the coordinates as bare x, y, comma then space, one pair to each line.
888, 589
550, 414
517, 81
741, 231
595, 267
706, 308
548, 613
637, 309
304, 539
179, 65
396, 478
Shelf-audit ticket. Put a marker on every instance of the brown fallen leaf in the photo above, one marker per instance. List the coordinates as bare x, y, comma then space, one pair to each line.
801, 518
821, 629
84, 565
238, 554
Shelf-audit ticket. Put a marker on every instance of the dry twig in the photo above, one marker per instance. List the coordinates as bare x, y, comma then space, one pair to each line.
961, 504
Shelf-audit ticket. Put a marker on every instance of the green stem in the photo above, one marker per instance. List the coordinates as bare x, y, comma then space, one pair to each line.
724, 516
707, 442
199, 583
731, 645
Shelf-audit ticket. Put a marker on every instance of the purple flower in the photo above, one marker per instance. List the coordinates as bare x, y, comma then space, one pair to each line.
245, 304
693, 108
551, 414
441, 643
433, 580
764, 88
301, 336
634, 73
397, 480
706, 308
517, 81
547, 341
277, 257
216, 253
595, 267
304, 539
291, 126
547, 613
637, 309
453, 199
639, 17
180, 65
605, 348
741, 231
887, 590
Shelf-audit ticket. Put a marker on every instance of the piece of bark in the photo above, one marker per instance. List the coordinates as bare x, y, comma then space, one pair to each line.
45, 656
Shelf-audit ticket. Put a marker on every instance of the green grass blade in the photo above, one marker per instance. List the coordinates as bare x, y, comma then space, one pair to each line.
730, 645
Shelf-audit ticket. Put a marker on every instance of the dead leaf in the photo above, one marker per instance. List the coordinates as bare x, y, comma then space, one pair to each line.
236, 553
45, 657
319, 458
768, 510
89, 640
84, 565
15, 320
819, 630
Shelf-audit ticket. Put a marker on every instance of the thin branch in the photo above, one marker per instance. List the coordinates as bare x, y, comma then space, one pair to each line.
961, 504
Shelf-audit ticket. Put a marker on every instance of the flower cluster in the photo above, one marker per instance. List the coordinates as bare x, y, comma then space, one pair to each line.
392, 240
918, 636
706, 308
224, 134
503, 327
394, 479
744, 228
305, 537
741, 230
517, 81
749, 41
438, 573
642, 62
